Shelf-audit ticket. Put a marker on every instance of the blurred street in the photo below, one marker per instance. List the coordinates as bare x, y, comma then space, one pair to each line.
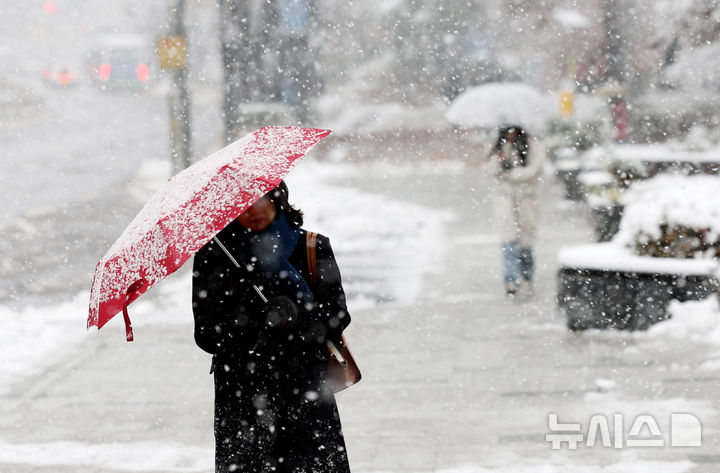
462, 379
119, 131
67, 190
69, 194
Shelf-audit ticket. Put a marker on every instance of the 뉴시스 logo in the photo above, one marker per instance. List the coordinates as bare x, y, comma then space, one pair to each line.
683, 430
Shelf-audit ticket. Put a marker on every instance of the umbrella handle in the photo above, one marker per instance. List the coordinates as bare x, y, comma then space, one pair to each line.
128, 326
336, 353
237, 265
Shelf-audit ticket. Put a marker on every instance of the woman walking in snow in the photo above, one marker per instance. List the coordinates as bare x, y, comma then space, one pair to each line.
516, 162
274, 406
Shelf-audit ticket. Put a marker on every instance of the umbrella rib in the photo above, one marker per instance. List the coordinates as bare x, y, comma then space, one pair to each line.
229, 255
237, 265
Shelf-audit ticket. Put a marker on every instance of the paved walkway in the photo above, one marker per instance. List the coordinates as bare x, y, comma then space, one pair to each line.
463, 377
466, 377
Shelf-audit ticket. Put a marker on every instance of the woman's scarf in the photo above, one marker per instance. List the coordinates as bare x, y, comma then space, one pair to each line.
267, 254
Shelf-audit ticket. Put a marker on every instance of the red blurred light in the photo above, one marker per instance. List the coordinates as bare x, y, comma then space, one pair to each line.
66, 78
142, 72
50, 7
104, 71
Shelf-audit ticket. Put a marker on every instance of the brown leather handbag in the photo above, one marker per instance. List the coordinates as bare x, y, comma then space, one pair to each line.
343, 371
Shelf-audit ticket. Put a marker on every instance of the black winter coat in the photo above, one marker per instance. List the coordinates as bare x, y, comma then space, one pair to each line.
274, 409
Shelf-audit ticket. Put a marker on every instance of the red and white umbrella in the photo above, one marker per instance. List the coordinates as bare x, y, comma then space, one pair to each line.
188, 211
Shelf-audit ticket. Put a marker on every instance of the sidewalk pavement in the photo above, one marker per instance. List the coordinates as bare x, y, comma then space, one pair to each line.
463, 377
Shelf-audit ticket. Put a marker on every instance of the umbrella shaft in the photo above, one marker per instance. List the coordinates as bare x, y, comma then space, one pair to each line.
262, 296
237, 265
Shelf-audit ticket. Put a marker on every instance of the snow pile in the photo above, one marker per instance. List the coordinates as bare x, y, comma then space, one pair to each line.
672, 200
610, 256
697, 149
42, 336
36, 336
693, 320
596, 178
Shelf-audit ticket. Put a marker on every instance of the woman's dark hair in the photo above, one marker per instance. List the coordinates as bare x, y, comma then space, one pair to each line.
520, 144
279, 197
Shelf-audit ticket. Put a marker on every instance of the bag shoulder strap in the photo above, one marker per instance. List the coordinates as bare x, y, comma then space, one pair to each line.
312, 275
312, 258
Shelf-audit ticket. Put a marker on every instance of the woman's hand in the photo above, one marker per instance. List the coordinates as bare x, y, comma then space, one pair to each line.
281, 310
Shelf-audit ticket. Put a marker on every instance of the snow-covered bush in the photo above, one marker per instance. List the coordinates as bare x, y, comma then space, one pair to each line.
672, 216
678, 241
627, 172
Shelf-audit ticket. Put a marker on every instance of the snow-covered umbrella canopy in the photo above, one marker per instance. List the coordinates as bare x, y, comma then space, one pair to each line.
189, 210
497, 104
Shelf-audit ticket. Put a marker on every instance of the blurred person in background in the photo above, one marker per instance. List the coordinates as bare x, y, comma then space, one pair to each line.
516, 161
274, 406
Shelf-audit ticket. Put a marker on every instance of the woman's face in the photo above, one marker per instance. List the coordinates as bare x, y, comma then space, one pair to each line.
259, 216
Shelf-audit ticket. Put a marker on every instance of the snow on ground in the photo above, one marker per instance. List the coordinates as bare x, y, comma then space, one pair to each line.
146, 456
383, 245
689, 322
370, 234
523, 466
152, 456
37, 336
698, 321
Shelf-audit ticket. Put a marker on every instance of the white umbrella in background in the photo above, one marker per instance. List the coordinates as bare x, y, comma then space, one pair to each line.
570, 18
502, 103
